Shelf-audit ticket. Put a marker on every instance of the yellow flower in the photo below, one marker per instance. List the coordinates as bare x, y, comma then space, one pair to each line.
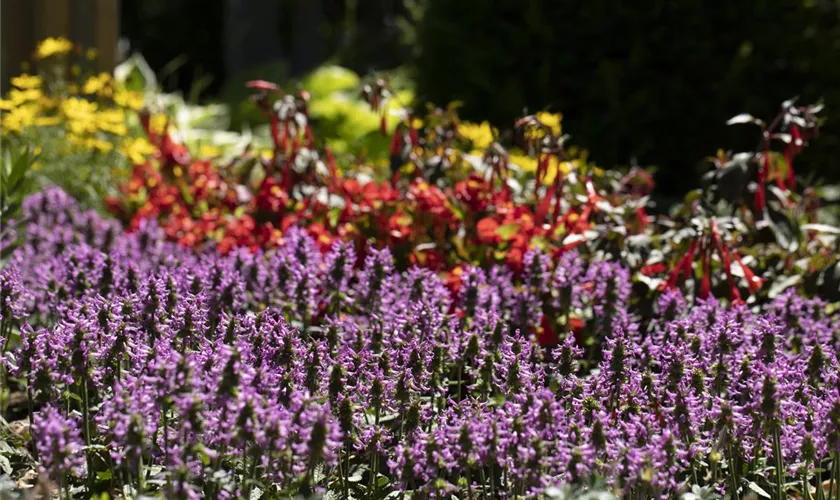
26, 82
112, 121
81, 115
6, 104
551, 120
129, 99
554, 166
209, 151
91, 54
523, 161
19, 118
18, 97
53, 46
136, 149
101, 145
89, 143
481, 136
158, 123
96, 84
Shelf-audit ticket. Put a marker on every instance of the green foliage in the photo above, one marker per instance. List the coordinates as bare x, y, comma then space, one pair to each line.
350, 123
15, 181
654, 80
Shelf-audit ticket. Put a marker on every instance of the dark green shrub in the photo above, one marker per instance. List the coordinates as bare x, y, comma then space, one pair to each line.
655, 80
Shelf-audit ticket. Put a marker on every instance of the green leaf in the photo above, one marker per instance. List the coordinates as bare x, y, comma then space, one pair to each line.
135, 74
104, 475
821, 228
744, 118
780, 286
333, 216
756, 488
508, 231
358, 472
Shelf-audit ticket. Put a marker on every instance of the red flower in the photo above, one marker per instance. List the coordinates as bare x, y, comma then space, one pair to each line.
486, 228
653, 269
546, 334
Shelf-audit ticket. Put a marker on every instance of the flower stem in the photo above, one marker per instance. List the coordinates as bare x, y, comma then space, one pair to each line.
780, 474
86, 431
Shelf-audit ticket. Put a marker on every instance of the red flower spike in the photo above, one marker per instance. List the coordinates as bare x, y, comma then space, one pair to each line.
558, 194
754, 283
396, 142
310, 137
684, 265
542, 167
583, 221
383, 125
725, 258
412, 134
284, 139
643, 218
706, 282
547, 335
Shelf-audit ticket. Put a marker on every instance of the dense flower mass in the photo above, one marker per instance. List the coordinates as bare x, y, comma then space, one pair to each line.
190, 375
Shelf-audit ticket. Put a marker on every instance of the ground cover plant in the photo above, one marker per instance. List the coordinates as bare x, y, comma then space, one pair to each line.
150, 368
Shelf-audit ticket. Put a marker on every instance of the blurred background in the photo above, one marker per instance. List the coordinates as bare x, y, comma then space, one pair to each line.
649, 82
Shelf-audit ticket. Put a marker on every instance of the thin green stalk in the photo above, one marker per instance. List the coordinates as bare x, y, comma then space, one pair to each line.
141, 480
86, 431
733, 475
342, 478
6, 330
818, 480
31, 408
469, 484
780, 474
166, 441
836, 476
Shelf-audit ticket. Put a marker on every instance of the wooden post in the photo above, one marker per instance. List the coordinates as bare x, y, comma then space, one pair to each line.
24, 23
106, 33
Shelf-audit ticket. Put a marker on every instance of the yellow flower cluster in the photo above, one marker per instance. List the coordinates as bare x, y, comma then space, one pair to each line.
551, 120
92, 114
479, 135
101, 85
53, 47
136, 149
